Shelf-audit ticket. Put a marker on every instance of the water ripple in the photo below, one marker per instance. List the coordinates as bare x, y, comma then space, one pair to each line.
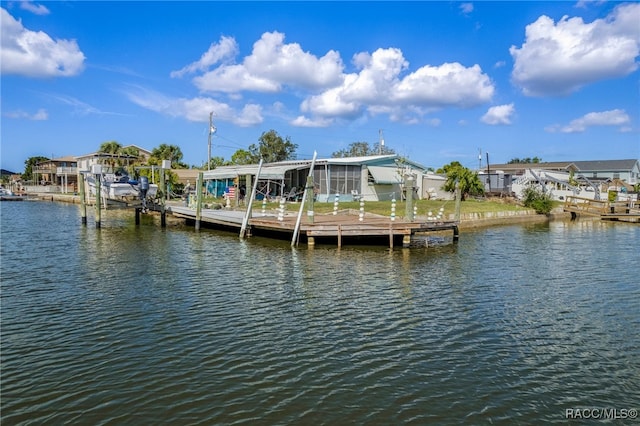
147, 326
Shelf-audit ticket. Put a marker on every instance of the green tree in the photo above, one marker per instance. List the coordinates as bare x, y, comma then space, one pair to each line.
528, 160
362, 149
114, 149
534, 197
242, 156
29, 164
273, 148
168, 152
110, 147
469, 181
216, 162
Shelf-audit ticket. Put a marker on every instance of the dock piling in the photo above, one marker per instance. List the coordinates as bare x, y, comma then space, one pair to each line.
409, 197
198, 200
83, 199
98, 203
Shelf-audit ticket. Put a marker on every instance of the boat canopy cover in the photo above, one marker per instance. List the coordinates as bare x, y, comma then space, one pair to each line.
385, 175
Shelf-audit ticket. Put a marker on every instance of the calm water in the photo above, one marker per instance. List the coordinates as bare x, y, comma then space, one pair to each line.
139, 325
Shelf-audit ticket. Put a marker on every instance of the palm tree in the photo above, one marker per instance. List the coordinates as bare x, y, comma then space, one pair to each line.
168, 152
469, 181
114, 149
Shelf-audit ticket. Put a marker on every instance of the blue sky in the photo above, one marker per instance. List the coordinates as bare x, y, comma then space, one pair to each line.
444, 81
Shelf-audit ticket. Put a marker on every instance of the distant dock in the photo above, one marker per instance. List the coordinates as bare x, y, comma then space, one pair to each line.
624, 211
339, 229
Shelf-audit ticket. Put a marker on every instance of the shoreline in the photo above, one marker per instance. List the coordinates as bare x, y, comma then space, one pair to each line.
468, 221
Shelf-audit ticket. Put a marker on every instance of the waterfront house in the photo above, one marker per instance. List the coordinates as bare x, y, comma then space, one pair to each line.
87, 160
56, 175
370, 178
626, 170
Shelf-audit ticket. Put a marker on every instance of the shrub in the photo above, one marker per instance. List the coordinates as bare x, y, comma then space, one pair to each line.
534, 198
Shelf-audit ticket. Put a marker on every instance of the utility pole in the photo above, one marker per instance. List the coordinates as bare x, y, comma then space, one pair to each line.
380, 141
479, 159
488, 173
212, 130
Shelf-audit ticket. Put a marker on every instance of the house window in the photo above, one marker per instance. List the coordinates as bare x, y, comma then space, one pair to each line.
616, 175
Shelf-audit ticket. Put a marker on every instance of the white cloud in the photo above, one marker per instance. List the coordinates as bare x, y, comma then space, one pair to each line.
289, 64
381, 83
233, 79
36, 9
40, 115
379, 87
450, 84
500, 114
615, 117
466, 8
271, 65
195, 109
302, 121
36, 54
225, 49
585, 3
559, 58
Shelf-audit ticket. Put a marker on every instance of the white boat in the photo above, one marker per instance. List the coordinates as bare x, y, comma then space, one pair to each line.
119, 186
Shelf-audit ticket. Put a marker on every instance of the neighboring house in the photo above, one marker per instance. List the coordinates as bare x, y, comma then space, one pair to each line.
625, 170
554, 183
86, 161
519, 169
185, 176
587, 179
62, 173
371, 178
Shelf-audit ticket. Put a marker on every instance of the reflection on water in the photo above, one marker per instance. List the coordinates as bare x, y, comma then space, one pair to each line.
145, 325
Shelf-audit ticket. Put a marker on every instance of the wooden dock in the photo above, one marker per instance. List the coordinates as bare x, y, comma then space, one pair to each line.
337, 228
627, 211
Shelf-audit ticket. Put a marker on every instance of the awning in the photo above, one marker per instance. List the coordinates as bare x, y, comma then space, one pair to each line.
384, 175
275, 172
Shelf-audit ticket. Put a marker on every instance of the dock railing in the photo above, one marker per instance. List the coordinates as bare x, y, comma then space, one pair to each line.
586, 206
616, 210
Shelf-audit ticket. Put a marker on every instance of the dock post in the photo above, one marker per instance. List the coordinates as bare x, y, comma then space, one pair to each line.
98, 202
458, 201
310, 200
296, 230
198, 200
254, 190
83, 199
406, 241
138, 209
311, 242
163, 189
408, 184
456, 234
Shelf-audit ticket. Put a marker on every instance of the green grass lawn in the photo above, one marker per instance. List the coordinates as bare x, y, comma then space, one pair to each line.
424, 206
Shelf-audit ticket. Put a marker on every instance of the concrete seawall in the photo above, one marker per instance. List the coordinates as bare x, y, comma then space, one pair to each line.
467, 220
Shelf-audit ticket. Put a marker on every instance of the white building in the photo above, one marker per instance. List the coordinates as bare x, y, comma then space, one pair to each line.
371, 178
